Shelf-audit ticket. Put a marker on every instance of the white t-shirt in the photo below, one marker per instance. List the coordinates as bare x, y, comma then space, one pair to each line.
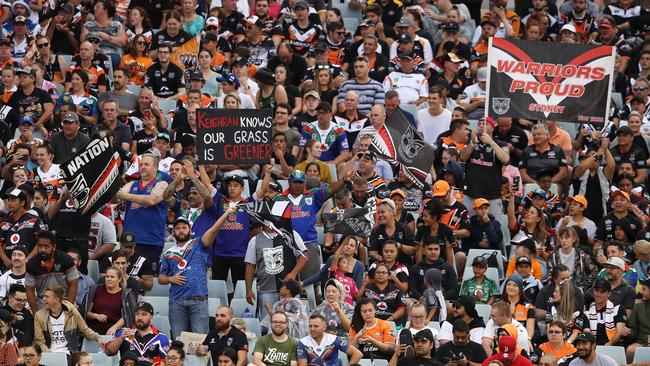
472, 93
252, 85
7, 279
59, 343
246, 101
432, 126
447, 334
410, 87
600, 360
590, 226
522, 337
102, 231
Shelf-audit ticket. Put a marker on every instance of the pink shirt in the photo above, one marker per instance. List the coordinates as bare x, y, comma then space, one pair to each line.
348, 284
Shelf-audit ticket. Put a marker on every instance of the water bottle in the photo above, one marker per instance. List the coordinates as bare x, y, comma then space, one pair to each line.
247, 313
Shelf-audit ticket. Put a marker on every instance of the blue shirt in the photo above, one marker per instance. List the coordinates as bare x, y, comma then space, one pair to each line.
324, 354
232, 238
304, 209
192, 261
146, 223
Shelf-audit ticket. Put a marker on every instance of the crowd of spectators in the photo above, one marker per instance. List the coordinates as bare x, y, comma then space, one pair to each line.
528, 244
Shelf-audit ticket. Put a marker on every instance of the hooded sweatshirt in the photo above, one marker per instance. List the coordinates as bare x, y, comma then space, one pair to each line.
433, 296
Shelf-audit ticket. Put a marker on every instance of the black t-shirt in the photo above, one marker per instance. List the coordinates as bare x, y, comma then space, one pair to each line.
297, 65
301, 121
402, 235
444, 234
64, 149
153, 8
388, 300
415, 361
516, 137
20, 231
138, 266
635, 155
536, 161
23, 327
100, 60
623, 295
483, 171
605, 230
232, 22
473, 351
164, 84
29, 105
235, 339
162, 38
69, 223
144, 141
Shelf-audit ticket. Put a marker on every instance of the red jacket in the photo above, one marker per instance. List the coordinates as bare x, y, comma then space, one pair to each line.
519, 360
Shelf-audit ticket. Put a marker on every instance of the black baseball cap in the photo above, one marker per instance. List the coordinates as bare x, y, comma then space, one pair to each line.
235, 178
450, 26
586, 337
523, 260
424, 334
143, 305
625, 130
404, 38
274, 186
324, 105
479, 261
183, 220
127, 239
603, 284
369, 155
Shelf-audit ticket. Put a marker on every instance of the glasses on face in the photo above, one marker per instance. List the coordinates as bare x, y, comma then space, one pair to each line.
211, 28
457, 306
279, 322
16, 167
141, 43
42, 45
341, 33
94, 40
20, 300
640, 88
173, 358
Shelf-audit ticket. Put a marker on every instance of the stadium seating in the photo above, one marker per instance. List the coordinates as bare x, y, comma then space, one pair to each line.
160, 304
159, 290
491, 273
343, 359
253, 326
135, 89
240, 292
434, 325
213, 305
483, 311
162, 324
615, 352
239, 306
100, 359
54, 358
642, 354
93, 269
531, 186
193, 360
218, 289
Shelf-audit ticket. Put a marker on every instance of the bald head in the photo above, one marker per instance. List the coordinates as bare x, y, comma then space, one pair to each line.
378, 116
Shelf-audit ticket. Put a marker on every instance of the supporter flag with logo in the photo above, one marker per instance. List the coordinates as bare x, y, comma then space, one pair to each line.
402, 146
350, 221
276, 215
549, 80
92, 175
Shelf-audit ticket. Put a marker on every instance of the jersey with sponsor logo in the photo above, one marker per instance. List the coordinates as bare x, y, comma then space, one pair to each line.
325, 353
301, 39
333, 140
49, 180
151, 348
304, 209
192, 261
388, 299
21, 230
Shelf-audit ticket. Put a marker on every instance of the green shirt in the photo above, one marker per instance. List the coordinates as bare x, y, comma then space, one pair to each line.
488, 287
274, 353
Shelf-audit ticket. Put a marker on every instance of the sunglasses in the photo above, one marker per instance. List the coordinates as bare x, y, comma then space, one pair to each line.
341, 33
16, 167
640, 88
94, 40
141, 43
42, 45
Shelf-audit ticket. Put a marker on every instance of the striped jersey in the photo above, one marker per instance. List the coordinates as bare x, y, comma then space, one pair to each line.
333, 139
370, 93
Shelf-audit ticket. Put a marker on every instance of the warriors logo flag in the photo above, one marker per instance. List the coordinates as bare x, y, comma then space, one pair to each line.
546, 80
404, 148
92, 175
350, 221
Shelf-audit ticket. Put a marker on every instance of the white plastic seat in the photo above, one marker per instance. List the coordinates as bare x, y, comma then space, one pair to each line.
641, 354
615, 352
194, 360
218, 289
100, 359
159, 290
160, 304
253, 325
93, 269
162, 324
239, 306
484, 311
54, 358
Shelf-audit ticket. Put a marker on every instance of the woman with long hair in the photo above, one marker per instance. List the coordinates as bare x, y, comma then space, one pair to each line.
173, 33
557, 344
325, 83
432, 230
312, 170
522, 311
8, 342
311, 154
563, 307
55, 67
232, 101
211, 86
401, 215
282, 77
228, 357
139, 23
110, 32
336, 311
568, 252
87, 104
47, 173
41, 82
192, 22
354, 268
137, 61
111, 305
372, 336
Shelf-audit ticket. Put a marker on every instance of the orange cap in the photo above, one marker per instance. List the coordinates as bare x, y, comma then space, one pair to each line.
580, 199
619, 192
480, 202
440, 188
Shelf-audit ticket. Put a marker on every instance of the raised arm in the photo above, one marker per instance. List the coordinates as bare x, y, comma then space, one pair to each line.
211, 234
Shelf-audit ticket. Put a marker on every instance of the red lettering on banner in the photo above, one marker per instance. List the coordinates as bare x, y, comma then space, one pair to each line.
247, 151
211, 122
550, 70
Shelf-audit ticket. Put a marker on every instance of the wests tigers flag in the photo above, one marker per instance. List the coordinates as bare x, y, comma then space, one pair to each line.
548, 80
92, 175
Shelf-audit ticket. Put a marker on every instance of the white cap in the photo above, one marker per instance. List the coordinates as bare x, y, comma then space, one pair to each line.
212, 21
569, 27
481, 74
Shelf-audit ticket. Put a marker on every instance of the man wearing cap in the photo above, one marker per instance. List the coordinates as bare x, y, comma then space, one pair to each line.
626, 149
26, 136
484, 160
423, 345
330, 136
30, 100
509, 354
261, 48
587, 354
146, 341
367, 163
462, 349
20, 38
623, 213
421, 46
410, 84
371, 92
473, 97
454, 38
230, 84
164, 77
20, 228
310, 101
455, 214
240, 67
482, 289
464, 308
323, 348
302, 33
577, 206
622, 293
69, 140
607, 321
138, 267
185, 266
146, 211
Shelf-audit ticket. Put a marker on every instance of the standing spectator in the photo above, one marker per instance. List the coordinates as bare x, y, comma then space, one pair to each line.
514, 136
323, 348
146, 341
20, 228
288, 261
189, 258
276, 348
58, 326
85, 282
436, 119
224, 335
371, 92
50, 267
67, 142
23, 326
587, 355
146, 211
111, 34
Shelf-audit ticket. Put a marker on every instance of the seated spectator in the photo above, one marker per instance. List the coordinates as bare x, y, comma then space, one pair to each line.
485, 230
557, 345
606, 320
354, 268
372, 336
569, 253
276, 348
621, 292
111, 305
461, 347
563, 308
30, 355
527, 247
464, 309
612, 249
398, 272
388, 229
501, 315
310, 349
311, 153
521, 310
336, 311
431, 259
23, 323
642, 254
292, 307
384, 289
508, 353
225, 339
482, 289
432, 296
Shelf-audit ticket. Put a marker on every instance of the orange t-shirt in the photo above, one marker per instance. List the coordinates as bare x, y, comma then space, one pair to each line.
382, 331
136, 68
536, 268
566, 350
